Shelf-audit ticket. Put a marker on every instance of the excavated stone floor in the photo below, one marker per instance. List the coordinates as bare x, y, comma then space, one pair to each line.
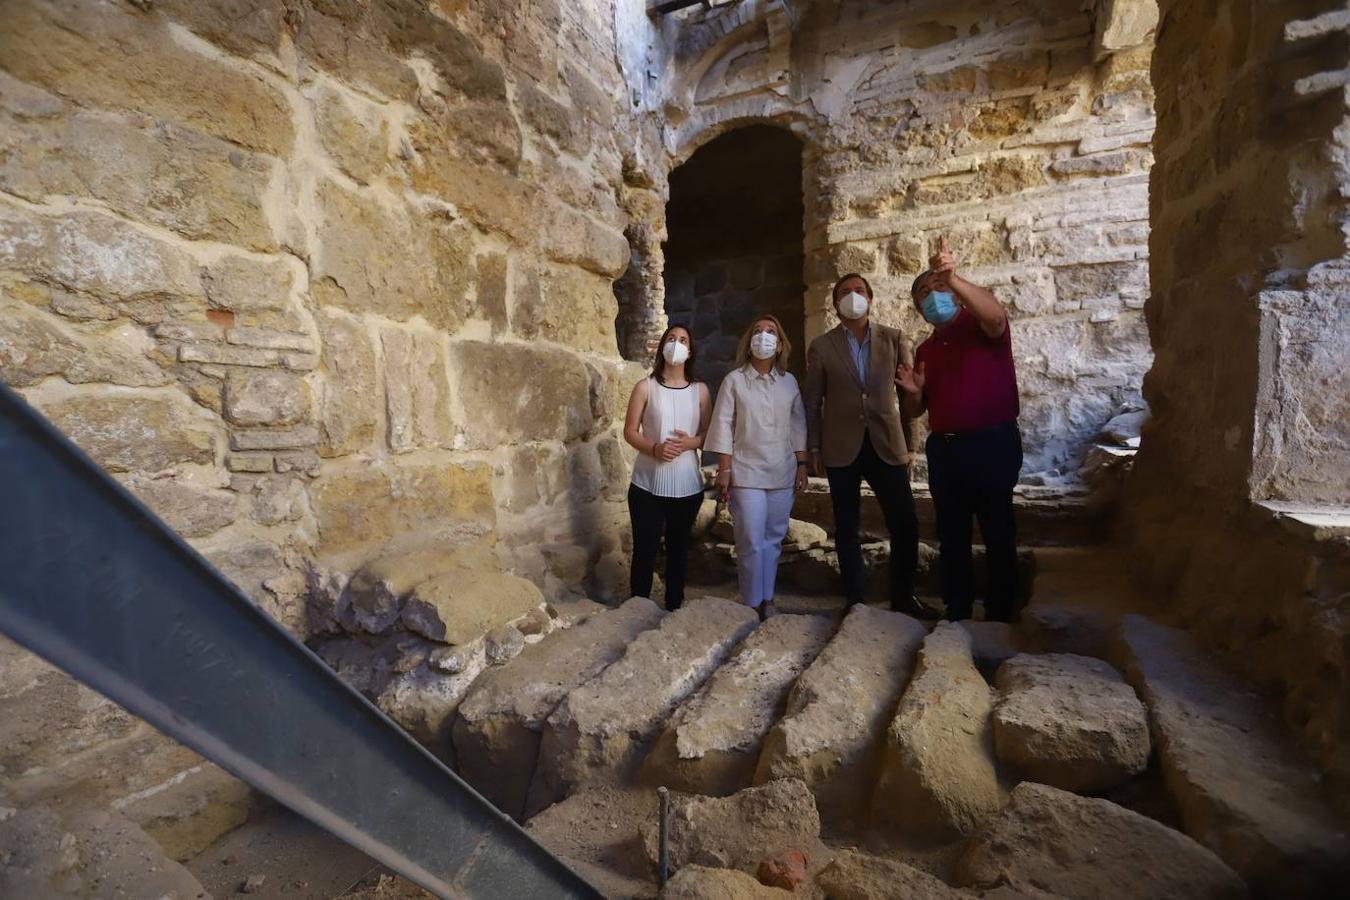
1087, 751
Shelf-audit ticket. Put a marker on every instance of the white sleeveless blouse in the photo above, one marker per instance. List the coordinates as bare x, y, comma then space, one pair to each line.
669, 410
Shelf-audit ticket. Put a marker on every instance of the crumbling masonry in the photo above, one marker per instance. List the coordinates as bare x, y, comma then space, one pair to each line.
352, 293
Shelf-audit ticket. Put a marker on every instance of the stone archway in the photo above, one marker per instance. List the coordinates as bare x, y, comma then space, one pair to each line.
734, 248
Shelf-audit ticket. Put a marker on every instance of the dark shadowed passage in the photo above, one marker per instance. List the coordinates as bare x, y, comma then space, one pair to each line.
735, 245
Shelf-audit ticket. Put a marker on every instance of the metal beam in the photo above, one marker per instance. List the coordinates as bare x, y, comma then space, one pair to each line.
95, 583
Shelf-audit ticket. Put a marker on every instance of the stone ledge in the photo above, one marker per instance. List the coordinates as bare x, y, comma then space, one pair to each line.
1312, 521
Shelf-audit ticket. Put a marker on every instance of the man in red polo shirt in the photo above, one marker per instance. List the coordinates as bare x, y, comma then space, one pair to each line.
963, 375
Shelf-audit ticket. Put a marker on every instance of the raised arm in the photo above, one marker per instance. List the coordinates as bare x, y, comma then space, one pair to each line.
908, 384
981, 302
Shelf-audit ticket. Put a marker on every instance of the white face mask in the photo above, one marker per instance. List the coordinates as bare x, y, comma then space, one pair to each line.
675, 353
763, 344
853, 305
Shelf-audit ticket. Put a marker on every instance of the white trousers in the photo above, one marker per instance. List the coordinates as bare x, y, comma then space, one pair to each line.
760, 518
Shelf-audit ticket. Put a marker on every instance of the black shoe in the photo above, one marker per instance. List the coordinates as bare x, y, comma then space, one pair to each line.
911, 606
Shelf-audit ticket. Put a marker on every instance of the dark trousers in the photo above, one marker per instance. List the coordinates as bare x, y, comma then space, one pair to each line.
891, 485
650, 516
972, 474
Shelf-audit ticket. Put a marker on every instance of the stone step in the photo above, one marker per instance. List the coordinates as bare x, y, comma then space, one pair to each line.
714, 740
992, 644
1070, 722
1082, 847
69, 851
497, 730
1244, 790
414, 629
852, 875
740, 830
830, 736
939, 779
602, 729
190, 811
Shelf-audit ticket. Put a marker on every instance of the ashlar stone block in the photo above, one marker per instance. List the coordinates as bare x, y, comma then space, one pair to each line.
712, 744
35, 345
358, 503
99, 255
416, 390
501, 405
194, 184
1082, 847
1070, 722
113, 56
500, 722
353, 267
601, 730
191, 510
347, 388
134, 431
939, 777
831, 733
1243, 789
265, 398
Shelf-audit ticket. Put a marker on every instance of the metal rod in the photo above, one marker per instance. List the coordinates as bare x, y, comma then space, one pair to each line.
664, 834
93, 582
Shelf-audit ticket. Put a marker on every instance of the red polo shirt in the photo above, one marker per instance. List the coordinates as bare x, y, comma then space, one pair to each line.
970, 383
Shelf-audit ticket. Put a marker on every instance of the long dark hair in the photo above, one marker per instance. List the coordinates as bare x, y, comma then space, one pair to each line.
659, 366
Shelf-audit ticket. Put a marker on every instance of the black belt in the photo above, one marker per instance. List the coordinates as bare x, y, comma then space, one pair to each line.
982, 432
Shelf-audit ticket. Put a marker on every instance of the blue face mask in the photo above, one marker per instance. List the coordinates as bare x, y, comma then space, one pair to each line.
939, 307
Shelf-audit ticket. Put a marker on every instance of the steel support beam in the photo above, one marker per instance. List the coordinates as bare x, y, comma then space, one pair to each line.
95, 583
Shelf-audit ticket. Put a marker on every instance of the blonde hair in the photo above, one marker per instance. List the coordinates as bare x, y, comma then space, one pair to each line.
780, 359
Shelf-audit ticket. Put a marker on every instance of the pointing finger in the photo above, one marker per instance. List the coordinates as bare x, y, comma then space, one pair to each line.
944, 248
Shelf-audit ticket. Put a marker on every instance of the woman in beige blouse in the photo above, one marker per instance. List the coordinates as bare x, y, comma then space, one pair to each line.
759, 428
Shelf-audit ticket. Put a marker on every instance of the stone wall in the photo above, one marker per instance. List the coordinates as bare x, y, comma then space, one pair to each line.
735, 244
317, 278
280, 267
1019, 130
1238, 497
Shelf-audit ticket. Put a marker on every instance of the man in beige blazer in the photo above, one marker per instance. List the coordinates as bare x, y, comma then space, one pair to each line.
855, 432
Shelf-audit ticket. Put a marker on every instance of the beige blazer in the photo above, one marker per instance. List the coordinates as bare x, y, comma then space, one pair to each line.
840, 408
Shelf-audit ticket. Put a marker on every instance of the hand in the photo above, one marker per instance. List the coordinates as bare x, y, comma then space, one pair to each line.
817, 464
723, 482
682, 439
799, 484
943, 266
910, 380
666, 450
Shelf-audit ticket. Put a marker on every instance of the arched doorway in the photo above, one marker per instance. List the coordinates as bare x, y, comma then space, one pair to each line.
734, 245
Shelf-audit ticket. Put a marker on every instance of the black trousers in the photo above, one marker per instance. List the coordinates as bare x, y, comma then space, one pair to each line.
972, 474
891, 485
650, 516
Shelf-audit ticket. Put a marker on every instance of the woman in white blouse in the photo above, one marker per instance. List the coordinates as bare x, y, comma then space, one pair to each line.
667, 418
759, 427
